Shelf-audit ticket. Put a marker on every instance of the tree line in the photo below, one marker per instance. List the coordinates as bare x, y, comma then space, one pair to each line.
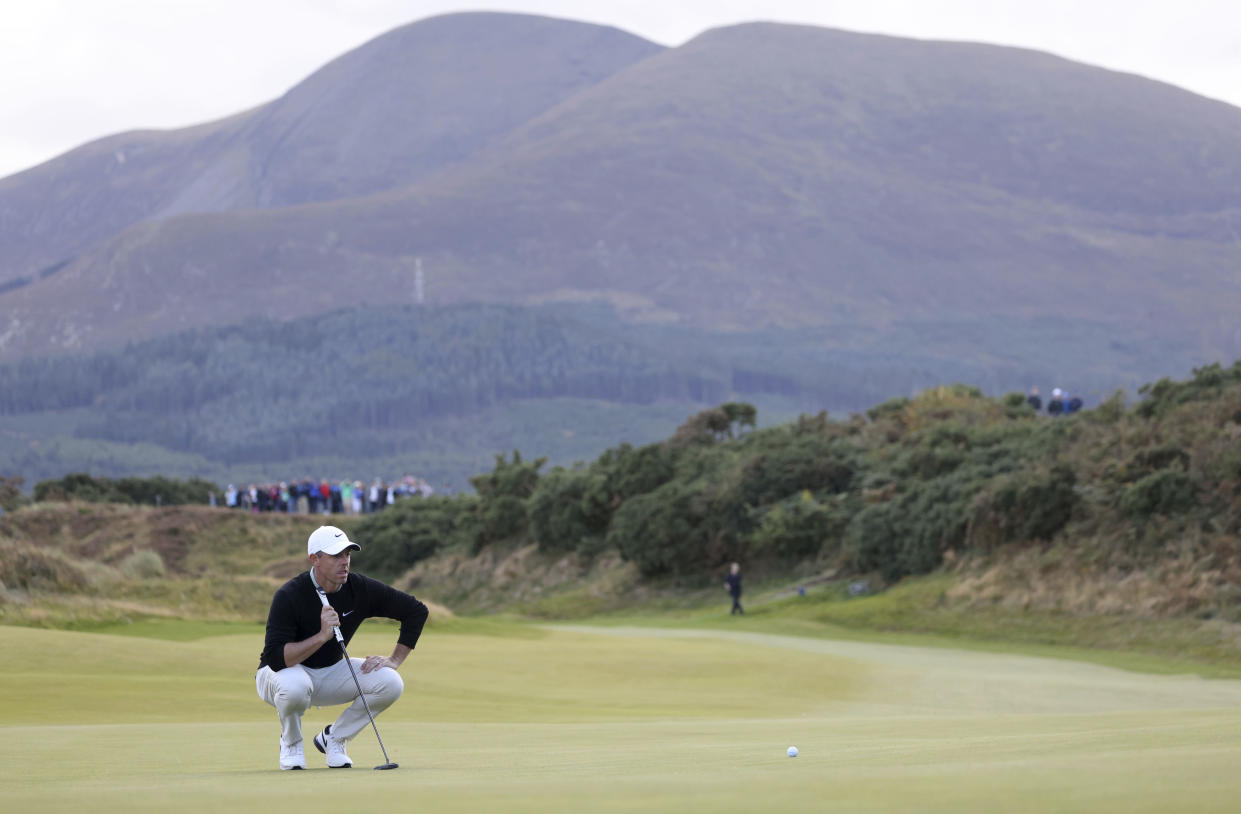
890, 493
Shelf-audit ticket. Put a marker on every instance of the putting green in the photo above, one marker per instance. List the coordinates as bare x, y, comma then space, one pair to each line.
581, 719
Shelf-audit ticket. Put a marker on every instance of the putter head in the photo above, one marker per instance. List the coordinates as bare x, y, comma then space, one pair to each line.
385, 766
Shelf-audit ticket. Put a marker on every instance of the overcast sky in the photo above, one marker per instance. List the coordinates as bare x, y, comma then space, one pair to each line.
75, 70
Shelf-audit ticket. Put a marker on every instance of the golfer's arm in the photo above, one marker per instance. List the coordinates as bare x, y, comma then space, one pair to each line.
297, 652
398, 654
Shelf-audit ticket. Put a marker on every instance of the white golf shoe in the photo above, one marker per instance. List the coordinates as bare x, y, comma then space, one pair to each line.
333, 748
292, 757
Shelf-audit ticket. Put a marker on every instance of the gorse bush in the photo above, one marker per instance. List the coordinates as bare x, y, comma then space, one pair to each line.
144, 564
1164, 492
151, 491
415, 528
1033, 505
794, 528
1209, 382
889, 493
560, 517
665, 531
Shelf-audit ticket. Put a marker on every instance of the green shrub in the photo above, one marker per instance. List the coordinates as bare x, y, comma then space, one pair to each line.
1017, 406
630, 471
1165, 492
1033, 505
151, 491
892, 408
11, 496
1208, 382
1161, 457
515, 478
413, 529
144, 564
910, 533
715, 425
558, 519
795, 464
662, 532
794, 528
501, 518
874, 540
79, 486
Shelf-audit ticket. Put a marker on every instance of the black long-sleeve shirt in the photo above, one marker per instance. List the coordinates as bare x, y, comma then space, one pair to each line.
295, 610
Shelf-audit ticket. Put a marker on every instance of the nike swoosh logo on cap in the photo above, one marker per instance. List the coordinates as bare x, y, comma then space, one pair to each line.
339, 534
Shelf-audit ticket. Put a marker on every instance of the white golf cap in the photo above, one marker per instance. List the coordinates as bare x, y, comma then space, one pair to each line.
329, 540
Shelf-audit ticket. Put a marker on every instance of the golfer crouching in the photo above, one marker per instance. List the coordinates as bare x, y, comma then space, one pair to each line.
301, 663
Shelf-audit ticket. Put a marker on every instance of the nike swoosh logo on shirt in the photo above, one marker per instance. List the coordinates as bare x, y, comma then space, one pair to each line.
346, 613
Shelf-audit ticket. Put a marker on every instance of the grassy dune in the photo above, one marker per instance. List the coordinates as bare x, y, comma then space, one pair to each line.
505, 716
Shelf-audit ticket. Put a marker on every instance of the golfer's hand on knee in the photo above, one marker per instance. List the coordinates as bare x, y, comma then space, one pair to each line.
374, 663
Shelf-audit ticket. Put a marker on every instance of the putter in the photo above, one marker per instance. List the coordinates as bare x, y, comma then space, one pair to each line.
341, 641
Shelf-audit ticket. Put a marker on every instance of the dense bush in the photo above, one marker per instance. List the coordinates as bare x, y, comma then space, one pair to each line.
947, 470
1208, 382
515, 478
11, 492
628, 472
890, 493
500, 518
144, 491
1166, 492
795, 464
1028, 505
413, 529
143, 564
794, 528
663, 532
558, 517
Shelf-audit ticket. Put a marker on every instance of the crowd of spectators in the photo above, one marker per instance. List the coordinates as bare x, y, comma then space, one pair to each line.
1062, 402
323, 497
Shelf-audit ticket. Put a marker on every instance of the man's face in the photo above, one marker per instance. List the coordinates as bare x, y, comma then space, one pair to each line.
332, 567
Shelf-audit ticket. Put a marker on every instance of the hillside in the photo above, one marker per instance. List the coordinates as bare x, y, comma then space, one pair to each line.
758, 175
1116, 528
415, 100
439, 390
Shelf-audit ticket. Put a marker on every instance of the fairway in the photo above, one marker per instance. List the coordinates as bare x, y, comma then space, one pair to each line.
508, 717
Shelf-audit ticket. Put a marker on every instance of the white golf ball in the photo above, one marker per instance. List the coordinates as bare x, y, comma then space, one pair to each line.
792, 751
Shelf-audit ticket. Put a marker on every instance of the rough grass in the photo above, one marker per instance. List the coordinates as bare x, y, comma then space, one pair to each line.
65, 566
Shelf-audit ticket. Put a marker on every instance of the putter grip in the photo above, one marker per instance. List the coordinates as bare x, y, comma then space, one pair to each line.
326, 604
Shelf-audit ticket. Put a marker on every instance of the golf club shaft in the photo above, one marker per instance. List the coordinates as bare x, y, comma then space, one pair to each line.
362, 695
340, 639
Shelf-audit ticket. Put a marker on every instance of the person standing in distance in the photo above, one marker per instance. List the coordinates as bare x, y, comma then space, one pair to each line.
301, 663
732, 584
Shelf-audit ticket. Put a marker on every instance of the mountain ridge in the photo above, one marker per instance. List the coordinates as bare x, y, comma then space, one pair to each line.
234, 163
760, 174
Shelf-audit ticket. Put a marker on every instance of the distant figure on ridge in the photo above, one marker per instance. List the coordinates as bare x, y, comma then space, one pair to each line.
1056, 406
732, 584
1073, 404
1033, 399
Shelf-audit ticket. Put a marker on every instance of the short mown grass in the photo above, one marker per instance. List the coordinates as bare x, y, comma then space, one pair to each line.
504, 715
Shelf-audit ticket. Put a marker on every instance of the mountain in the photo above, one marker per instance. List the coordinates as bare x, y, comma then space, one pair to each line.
758, 175
408, 103
794, 217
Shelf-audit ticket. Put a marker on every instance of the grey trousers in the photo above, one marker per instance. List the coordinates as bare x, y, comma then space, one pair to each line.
296, 689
